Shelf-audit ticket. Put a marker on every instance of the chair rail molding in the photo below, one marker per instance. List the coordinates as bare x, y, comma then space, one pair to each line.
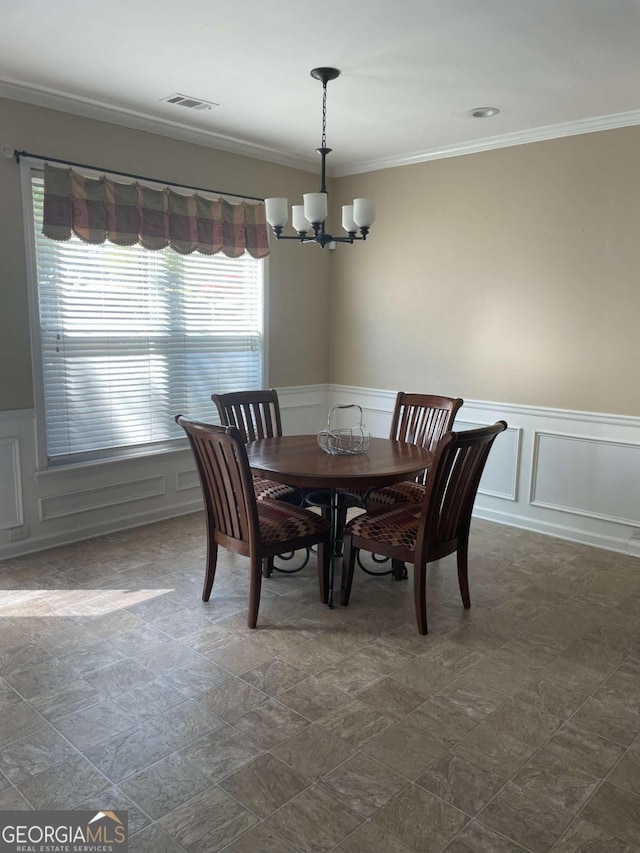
559, 472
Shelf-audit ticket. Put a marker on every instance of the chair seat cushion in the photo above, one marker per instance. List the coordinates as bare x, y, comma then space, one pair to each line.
398, 527
274, 491
280, 522
399, 493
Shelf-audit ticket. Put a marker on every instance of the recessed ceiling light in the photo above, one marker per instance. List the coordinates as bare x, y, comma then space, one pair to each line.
483, 112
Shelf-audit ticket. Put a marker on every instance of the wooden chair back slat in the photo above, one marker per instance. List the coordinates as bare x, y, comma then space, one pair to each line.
256, 414
423, 419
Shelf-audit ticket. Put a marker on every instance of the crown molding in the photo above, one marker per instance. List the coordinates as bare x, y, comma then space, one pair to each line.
136, 120
489, 143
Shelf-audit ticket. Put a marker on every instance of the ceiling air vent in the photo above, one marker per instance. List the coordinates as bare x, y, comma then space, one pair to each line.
189, 102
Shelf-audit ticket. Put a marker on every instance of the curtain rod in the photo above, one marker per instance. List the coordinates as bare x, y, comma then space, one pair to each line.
19, 154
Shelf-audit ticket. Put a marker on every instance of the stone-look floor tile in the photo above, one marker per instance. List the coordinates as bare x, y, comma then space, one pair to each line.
566, 674
506, 678
498, 752
583, 750
239, 656
114, 800
64, 786
270, 723
34, 754
560, 700
208, 638
166, 657
568, 787
391, 698
196, 678
314, 697
355, 722
312, 656
12, 800
183, 724
404, 750
550, 633
148, 700
153, 840
616, 810
262, 839
8, 696
274, 676
23, 656
128, 752
10, 636
264, 785
425, 677
477, 838
18, 721
314, 821
420, 820
352, 675
313, 752
585, 837
92, 725
52, 688
371, 838
92, 656
627, 773
529, 817
614, 709
117, 677
208, 822
461, 783
522, 722
438, 720
165, 785
231, 699
363, 784
221, 753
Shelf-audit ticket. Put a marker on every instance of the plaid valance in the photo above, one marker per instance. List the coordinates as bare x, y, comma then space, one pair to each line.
99, 209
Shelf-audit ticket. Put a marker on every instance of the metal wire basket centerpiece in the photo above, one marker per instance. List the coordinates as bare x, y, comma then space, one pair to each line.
346, 441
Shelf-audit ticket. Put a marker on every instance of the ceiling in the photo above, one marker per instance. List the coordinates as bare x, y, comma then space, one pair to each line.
411, 71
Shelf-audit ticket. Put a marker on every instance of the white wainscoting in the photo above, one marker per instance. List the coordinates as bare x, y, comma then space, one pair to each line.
49, 508
574, 475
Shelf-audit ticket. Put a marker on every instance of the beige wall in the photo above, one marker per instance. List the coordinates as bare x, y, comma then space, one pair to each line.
298, 280
511, 275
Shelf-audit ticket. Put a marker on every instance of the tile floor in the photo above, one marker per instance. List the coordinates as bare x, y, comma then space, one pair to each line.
513, 726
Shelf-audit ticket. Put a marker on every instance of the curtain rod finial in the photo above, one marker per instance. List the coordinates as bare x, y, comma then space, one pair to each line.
7, 151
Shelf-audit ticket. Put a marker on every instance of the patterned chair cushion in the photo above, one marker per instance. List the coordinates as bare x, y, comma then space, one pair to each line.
398, 527
379, 500
280, 521
273, 491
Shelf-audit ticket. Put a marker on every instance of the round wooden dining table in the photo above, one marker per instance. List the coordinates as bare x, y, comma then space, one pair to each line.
298, 460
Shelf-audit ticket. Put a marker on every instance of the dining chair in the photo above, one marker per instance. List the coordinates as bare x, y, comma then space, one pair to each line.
256, 414
417, 419
435, 527
240, 523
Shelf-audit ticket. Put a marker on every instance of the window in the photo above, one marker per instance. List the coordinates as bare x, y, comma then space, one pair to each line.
129, 338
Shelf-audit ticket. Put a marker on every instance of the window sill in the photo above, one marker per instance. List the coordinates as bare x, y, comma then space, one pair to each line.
90, 466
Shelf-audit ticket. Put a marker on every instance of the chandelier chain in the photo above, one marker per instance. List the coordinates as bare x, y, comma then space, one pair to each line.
324, 114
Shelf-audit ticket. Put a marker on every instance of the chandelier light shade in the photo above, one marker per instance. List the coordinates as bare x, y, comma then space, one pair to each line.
311, 215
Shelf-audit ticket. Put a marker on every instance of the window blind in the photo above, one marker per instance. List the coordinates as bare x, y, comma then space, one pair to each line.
131, 337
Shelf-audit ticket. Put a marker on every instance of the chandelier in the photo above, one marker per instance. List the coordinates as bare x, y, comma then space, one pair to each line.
358, 216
